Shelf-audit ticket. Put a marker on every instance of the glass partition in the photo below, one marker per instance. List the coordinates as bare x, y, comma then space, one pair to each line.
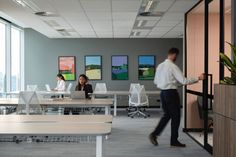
194, 63
204, 39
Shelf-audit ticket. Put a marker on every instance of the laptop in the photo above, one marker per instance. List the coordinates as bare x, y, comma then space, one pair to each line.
48, 87
77, 95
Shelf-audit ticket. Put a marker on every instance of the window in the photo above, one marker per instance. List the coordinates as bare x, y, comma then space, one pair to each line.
15, 58
2, 56
11, 69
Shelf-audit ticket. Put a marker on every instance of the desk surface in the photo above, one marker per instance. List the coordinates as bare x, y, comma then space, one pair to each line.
122, 92
45, 128
56, 118
55, 125
62, 102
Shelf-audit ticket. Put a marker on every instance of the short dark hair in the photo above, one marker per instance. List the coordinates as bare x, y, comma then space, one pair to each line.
173, 50
61, 76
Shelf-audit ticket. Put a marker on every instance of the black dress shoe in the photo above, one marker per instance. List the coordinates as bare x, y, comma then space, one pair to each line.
153, 139
177, 144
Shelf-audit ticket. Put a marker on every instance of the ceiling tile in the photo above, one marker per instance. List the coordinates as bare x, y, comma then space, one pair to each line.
178, 28
87, 33
123, 23
66, 6
163, 6
162, 28
182, 5
173, 16
124, 15
96, 5
163, 23
102, 25
158, 33
99, 15
126, 5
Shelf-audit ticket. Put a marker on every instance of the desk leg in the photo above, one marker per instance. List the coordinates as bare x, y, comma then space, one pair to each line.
107, 110
115, 104
4, 110
60, 111
99, 147
44, 110
27, 109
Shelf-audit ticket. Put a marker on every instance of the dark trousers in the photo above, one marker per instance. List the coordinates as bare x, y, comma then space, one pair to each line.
171, 107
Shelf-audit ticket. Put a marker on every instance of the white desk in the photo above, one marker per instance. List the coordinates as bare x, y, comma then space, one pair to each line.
56, 118
106, 103
40, 92
50, 128
115, 93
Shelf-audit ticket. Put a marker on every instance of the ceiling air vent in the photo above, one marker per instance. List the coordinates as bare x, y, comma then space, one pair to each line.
64, 32
148, 8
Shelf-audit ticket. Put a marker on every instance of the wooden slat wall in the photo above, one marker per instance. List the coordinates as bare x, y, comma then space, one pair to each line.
224, 121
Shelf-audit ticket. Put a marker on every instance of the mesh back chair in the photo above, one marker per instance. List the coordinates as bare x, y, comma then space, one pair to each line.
138, 99
201, 113
132, 86
31, 87
28, 103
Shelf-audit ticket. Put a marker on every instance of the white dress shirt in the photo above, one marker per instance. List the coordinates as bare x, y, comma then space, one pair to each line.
61, 85
169, 76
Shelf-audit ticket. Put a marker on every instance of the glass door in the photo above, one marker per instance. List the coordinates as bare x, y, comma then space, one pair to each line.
195, 57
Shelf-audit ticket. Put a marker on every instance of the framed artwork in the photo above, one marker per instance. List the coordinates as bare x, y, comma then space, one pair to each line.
146, 67
119, 67
93, 67
66, 66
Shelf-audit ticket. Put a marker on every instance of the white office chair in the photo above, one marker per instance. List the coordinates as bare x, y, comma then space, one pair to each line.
28, 103
69, 87
31, 87
100, 87
132, 86
138, 99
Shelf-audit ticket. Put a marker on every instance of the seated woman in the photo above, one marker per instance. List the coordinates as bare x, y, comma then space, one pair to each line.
61, 84
82, 85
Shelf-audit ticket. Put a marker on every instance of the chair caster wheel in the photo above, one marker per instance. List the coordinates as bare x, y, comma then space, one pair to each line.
148, 115
145, 117
132, 117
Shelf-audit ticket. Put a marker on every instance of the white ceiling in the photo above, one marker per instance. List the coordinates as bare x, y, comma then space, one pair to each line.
100, 18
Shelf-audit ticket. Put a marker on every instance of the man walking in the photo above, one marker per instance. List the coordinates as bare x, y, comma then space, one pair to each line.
168, 77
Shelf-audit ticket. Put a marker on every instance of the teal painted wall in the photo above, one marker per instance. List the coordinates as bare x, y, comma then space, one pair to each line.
41, 57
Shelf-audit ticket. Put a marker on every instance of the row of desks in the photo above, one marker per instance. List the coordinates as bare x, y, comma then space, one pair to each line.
66, 102
114, 94
51, 125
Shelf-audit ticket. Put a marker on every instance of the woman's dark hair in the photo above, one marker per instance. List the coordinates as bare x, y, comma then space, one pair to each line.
61, 76
85, 77
173, 50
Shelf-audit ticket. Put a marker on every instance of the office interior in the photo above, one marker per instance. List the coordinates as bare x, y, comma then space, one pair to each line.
34, 34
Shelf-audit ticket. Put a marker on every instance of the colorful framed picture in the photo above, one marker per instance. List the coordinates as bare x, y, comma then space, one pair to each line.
93, 67
119, 67
66, 65
146, 67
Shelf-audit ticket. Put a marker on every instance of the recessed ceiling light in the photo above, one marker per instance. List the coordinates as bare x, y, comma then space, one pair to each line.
29, 4
45, 13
